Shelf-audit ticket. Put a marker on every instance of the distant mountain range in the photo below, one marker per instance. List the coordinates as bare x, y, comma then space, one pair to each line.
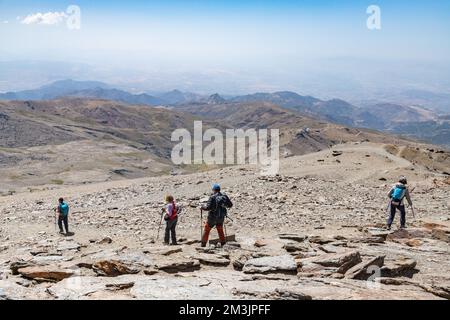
413, 121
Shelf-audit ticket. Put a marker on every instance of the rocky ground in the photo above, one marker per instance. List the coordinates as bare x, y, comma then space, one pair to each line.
313, 232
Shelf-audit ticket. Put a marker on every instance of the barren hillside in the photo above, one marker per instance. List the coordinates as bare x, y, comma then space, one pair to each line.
309, 233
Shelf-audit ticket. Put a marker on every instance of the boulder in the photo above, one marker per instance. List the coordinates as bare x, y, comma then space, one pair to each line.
238, 263
401, 267
276, 264
361, 270
45, 273
341, 261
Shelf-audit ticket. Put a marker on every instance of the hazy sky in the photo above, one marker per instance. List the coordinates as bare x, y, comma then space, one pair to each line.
260, 37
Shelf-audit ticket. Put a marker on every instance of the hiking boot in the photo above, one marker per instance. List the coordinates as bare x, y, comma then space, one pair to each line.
174, 244
402, 227
388, 227
203, 244
61, 232
222, 244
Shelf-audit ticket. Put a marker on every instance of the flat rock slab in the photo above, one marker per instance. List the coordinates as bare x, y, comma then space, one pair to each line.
81, 288
10, 290
45, 273
345, 289
293, 246
68, 245
276, 264
378, 232
171, 288
320, 239
165, 251
293, 237
178, 265
45, 260
212, 259
341, 261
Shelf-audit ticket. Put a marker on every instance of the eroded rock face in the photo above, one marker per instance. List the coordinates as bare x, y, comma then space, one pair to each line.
277, 264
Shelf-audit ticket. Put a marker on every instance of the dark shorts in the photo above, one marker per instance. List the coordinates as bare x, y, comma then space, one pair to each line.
214, 220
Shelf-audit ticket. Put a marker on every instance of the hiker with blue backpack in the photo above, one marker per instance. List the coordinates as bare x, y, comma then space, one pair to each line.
63, 216
397, 195
217, 212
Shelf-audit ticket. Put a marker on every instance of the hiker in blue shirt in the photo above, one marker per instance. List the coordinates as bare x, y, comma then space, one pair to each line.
397, 194
63, 216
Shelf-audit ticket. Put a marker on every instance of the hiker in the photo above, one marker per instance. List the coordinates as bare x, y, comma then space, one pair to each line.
217, 207
172, 210
63, 216
397, 195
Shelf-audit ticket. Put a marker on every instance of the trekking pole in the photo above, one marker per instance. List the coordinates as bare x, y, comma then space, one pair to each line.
225, 229
201, 222
160, 223
412, 210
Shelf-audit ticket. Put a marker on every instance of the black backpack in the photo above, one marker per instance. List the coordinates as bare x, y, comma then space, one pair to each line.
223, 203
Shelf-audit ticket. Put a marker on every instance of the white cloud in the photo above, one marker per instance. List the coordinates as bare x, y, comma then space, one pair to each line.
48, 18
5, 21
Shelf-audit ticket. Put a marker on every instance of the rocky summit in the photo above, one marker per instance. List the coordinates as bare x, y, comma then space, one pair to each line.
315, 231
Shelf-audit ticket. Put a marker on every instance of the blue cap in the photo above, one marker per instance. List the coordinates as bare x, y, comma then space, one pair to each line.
216, 187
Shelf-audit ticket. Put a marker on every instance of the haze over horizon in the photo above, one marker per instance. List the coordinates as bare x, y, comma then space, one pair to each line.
319, 48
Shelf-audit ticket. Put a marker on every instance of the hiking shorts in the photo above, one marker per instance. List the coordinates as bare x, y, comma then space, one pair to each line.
215, 220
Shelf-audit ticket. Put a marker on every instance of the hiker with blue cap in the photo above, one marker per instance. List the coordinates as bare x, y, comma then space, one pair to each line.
217, 206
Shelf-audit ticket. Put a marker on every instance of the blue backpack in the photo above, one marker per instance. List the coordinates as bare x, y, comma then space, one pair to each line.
64, 208
399, 193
